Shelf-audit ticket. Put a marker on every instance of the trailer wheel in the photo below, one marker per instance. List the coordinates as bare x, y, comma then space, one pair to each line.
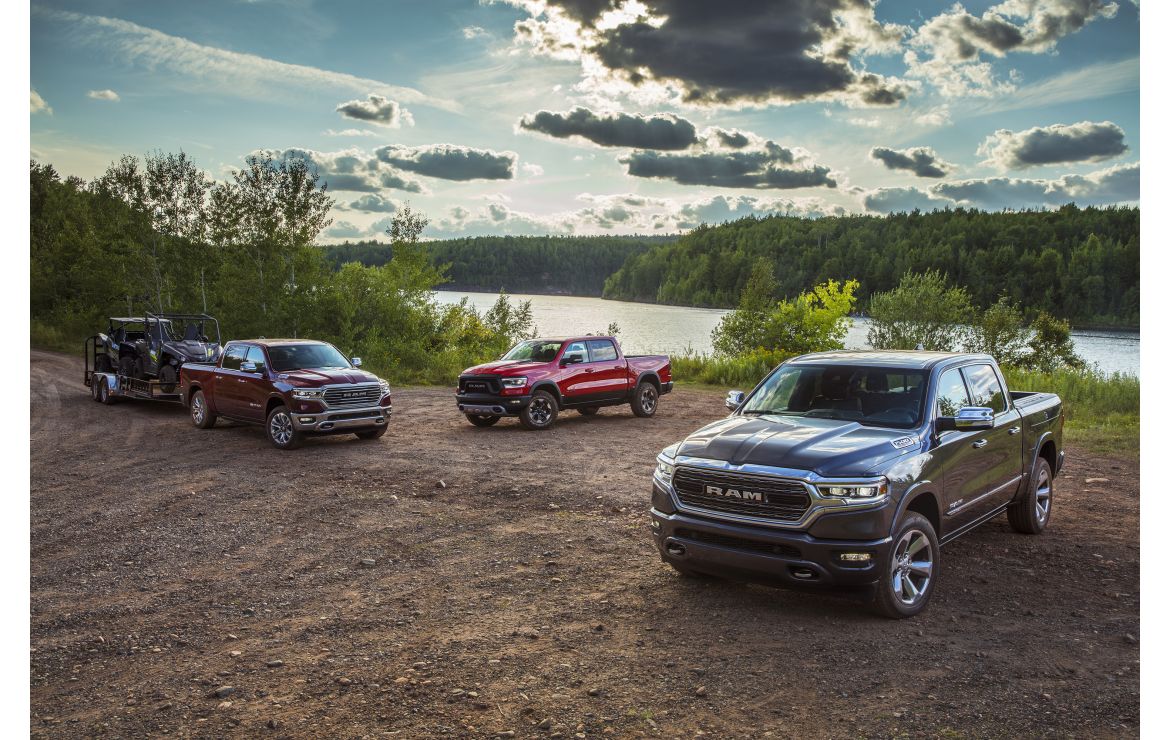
95, 388
104, 393
201, 416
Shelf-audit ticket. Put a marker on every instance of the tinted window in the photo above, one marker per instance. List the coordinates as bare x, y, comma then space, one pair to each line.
952, 393
576, 349
602, 350
286, 357
537, 350
256, 355
233, 356
985, 387
872, 396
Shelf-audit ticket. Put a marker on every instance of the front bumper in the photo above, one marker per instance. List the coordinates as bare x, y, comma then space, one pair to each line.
342, 420
489, 404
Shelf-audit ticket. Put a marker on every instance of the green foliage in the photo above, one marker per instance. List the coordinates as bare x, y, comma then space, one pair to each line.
814, 321
1000, 331
922, 311
159, 236
1051, 346
742, 371
1081, 264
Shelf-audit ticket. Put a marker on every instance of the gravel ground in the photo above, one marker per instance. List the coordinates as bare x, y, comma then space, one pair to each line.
450, 580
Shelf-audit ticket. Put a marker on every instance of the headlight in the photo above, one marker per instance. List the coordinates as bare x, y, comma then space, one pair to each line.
384, 386
514, 382
664, 472
308, 393
856, 492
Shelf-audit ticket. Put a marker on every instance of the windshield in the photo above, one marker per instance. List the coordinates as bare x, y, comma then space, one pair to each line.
888, 397
535, 350
287, 357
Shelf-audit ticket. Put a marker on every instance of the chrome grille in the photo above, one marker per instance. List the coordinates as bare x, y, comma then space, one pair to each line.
353, 396
782, 499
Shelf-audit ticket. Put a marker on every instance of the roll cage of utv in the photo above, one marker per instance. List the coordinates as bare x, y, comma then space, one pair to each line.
150, 346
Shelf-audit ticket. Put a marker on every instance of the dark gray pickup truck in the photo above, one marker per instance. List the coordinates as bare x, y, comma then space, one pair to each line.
850, 469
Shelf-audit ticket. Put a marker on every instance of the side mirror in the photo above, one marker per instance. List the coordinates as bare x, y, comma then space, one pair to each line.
734, 400
968, 419
357, 361
248, 367
572, 360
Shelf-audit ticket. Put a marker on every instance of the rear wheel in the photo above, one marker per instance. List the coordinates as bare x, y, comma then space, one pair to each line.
908, 575
1030, 515
645, 400
95, 388
482, 420
371, 433
201, 416
168, 378
588, 410
281, 432
104, 393
541, 411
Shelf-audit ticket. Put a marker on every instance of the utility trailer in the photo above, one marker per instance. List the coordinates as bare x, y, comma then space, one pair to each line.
105, 386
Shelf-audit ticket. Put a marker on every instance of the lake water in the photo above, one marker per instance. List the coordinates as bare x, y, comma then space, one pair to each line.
652, 329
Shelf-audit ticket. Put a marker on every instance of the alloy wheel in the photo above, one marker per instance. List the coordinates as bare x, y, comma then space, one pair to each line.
197, 409
911, 567
649, 399
281, 428
1043, 496
540, 411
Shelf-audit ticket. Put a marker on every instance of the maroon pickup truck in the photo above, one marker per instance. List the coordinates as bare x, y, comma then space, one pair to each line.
539, 377
293, 387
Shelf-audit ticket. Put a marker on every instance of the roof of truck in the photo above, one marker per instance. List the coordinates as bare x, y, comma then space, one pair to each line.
277, 342
917, 360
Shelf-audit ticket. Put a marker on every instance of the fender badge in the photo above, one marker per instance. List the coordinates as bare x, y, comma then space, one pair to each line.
903, 442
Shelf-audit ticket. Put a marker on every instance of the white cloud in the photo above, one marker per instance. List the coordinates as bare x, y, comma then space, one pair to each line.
940, 116
37, 104
109, 95
349, 132
532, 170
378, 110
474, 32
228, 72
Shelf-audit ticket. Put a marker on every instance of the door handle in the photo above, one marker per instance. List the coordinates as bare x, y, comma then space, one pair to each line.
1014, 430
979, 443
588, 369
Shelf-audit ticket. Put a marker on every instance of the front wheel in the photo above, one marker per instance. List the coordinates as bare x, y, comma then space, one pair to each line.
541, 411
281, 432
910, 569
482, 420
201, 416
1030, 514
375, 433
645, 400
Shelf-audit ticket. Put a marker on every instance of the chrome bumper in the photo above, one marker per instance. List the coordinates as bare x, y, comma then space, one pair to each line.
339, 419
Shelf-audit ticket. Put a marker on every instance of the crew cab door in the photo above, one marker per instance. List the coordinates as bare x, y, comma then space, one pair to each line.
610, 376
576, 378
253, 385
958, 455
1002, 454
228, 395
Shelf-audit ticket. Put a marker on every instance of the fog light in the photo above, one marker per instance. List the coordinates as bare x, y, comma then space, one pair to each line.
306, 420
655, 524
855, 557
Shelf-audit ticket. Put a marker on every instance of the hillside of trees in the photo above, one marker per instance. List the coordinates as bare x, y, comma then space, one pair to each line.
576, 265
1080, 264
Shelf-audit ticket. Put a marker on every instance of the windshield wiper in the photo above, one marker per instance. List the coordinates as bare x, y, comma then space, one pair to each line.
763, 412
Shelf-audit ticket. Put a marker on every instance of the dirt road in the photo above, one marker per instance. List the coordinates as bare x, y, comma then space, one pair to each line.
521, 594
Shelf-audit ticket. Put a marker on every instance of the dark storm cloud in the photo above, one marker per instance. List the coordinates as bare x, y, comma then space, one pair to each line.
768, 167
373, 203
748, 51
922, 161
450, 161
661, 131
1078, 142
350, 170
375, 109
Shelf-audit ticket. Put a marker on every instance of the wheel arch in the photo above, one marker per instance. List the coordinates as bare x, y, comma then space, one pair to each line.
191, 389
550, 387
922, 500
652, 377
273, 401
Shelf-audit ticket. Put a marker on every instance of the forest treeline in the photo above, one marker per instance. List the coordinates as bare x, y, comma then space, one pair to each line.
576, 265
1079, 264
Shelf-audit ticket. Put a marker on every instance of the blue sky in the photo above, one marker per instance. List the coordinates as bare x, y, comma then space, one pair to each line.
607, 116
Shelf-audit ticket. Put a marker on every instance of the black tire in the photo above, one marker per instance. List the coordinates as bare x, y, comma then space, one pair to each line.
540, 413
201, 416
645, 400
168, 378
95, 388
907, 577
588, 410
126, 366
482, 420
281, 431
1031, 514
376, 433
104, 393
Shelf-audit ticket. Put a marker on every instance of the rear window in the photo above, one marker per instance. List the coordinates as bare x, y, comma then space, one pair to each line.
985, 388
602, 350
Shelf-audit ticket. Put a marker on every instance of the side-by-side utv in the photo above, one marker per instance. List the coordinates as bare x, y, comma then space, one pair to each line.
154, 346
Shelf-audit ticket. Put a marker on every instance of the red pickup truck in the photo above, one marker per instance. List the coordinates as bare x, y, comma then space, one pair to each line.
293, 387
540, 377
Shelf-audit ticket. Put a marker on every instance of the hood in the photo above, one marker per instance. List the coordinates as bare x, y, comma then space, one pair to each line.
825, 446
506, 367
309, 378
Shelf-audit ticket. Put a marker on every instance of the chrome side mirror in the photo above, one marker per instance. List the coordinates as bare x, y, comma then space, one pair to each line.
968, 419
248, 367
357, 361
734, 400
